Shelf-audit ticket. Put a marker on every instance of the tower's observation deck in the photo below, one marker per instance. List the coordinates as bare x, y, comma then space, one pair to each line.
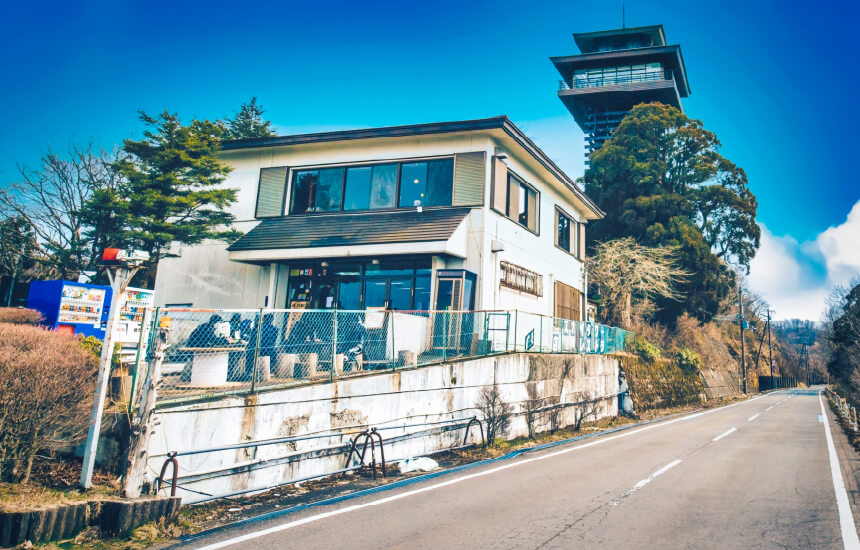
616, 70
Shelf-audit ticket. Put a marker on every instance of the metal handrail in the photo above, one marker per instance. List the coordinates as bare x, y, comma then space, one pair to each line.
159, 481
619, 78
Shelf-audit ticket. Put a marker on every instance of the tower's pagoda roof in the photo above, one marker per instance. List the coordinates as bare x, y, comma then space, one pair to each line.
590, 42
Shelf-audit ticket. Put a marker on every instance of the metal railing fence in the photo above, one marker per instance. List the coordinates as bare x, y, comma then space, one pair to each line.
609, 79
213, 352
846, 409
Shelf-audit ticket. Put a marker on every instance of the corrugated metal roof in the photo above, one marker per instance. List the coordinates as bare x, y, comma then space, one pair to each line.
346, 229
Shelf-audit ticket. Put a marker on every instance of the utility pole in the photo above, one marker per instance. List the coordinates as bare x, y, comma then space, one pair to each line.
769, 348
743, 349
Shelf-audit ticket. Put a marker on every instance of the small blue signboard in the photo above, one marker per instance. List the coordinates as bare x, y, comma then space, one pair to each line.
530, 339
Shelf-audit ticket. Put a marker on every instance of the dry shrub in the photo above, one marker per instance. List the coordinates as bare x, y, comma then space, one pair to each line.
533, 406
20, 316
47, 382
496, 413
584, 408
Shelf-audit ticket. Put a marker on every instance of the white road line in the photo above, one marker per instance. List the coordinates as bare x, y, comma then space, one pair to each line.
768, 409
753, 417
324, 515
846, 520
724, 434
646, 481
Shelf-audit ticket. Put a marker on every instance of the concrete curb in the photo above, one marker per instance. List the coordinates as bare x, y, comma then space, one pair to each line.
64, 521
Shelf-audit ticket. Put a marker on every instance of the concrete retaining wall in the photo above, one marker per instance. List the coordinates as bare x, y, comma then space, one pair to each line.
383, 400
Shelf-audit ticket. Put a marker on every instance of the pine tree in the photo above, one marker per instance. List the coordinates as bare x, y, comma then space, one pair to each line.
248, 122
171, 190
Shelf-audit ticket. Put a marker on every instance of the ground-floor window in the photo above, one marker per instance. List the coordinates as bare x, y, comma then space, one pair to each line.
402, 284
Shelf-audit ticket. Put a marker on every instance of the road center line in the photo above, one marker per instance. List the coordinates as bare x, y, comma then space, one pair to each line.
646, 481
753, 417
724, 434
846, 520
324, 515
768, 409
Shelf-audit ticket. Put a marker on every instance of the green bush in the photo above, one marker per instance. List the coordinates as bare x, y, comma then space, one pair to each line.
644, 349
687, 360
94, 346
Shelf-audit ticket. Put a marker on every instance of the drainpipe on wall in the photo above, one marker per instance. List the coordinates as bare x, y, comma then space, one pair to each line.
584, 313
273, 275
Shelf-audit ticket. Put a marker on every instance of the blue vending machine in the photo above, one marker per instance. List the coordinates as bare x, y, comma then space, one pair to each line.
74, 308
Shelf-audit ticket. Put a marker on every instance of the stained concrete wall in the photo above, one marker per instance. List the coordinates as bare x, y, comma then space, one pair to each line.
382, 400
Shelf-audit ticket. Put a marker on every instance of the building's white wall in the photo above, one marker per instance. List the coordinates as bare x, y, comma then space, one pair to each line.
535, 252
205, 277
412, 396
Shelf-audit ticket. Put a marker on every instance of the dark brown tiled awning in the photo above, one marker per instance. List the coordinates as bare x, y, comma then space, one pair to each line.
343, 229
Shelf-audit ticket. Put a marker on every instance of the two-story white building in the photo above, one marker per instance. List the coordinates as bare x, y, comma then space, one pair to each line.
467, 215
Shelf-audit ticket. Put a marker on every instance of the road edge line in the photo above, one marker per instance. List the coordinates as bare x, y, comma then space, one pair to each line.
846, 518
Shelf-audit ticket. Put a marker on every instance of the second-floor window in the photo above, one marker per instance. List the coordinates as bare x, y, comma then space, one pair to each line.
567, 234
373, 186
522, 203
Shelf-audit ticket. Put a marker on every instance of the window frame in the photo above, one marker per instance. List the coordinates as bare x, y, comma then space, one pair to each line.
574, 233
507, 212
292, 170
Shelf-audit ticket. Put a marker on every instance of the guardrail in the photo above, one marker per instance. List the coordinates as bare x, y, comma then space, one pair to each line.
220, 352
848, 411
354, 448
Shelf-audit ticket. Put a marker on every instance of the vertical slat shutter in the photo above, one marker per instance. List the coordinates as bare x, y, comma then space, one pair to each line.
500, 186
270, 193
469, 179
567, 301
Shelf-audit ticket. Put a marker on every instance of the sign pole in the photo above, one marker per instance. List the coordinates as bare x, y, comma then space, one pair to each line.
120, 281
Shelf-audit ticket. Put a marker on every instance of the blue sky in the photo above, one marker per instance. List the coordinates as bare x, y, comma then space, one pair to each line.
774, 80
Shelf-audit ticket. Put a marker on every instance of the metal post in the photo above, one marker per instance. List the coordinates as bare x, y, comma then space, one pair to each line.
333, 343
393, 352
142, 344
516, 317
118, 285
507, 329
769, 348
256, 351
743, 350
445, 321
540, 337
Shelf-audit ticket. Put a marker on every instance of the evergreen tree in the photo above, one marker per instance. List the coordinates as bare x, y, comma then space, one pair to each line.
18, 253
661, 180
171, 191
844, 338
248, 122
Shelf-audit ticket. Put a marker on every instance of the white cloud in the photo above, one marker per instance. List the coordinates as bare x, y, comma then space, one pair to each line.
840, 247
796, 278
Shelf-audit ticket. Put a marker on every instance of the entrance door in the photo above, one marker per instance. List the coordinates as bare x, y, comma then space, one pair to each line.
454, 321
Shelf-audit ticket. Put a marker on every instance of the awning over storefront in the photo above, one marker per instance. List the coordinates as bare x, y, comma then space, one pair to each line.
433, 231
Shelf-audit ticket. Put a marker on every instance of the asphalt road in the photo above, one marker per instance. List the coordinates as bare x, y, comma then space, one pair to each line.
753, 475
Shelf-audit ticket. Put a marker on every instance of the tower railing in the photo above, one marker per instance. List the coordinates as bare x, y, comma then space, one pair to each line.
596, 81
